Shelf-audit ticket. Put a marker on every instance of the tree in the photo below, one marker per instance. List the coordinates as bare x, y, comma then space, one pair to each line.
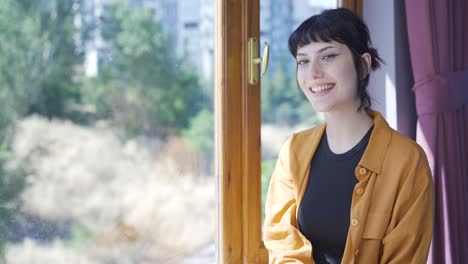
148, 89
37, 60
38, 56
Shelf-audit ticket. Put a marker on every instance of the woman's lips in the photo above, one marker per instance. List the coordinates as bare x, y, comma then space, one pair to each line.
322, 89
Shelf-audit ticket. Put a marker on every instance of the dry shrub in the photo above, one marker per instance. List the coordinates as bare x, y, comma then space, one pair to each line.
30, 252
89, 177
181, 157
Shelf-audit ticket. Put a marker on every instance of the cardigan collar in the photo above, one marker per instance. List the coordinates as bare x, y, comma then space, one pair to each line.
373, 156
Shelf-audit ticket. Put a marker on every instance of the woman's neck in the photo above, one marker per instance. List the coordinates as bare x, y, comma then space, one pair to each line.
346, 128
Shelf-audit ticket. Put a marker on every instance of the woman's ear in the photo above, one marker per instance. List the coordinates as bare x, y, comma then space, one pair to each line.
368, 59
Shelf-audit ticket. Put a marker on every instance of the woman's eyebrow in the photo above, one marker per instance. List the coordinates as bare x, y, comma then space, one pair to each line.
319, 51
327, 47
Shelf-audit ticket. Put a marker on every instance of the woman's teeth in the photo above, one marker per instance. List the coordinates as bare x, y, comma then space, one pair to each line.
322, 88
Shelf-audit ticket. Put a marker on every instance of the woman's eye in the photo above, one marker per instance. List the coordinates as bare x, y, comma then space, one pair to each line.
301, 62
329, 56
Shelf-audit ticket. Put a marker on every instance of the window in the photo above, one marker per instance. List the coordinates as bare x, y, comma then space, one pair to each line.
107, 132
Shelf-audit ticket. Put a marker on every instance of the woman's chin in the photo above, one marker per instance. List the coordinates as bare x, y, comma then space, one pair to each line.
320, 108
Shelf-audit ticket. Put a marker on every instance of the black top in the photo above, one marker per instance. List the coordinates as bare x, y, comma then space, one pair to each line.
323, 215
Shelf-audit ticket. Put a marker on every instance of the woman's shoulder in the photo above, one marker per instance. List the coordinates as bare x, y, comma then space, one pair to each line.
405, 154
404, 145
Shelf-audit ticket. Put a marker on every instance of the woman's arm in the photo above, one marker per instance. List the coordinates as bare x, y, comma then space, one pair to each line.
410, 230
282, 238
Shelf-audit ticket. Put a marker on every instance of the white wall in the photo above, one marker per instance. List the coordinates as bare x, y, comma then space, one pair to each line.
379, 16
391, 85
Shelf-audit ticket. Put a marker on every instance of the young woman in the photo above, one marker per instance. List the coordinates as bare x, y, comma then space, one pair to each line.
351, 190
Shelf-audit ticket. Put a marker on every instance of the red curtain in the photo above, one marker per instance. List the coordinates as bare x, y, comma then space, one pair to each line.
438, 40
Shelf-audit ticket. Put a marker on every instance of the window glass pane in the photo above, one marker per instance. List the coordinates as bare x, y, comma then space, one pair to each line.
106, 131
284, 108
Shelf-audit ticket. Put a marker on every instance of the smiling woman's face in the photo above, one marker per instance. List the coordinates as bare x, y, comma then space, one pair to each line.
327, 76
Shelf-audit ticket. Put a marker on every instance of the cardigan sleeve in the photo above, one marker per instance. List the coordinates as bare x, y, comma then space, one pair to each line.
281, 236
409, 233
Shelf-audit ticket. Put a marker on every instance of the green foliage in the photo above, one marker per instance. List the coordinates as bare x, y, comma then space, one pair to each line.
201, 132
138, 51
12, 182
141, 84
37, 56
80, 235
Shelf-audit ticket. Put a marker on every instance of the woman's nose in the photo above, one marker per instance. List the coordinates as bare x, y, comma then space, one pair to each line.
316, 70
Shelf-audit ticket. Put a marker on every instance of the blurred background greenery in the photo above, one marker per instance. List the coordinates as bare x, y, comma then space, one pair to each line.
141, 88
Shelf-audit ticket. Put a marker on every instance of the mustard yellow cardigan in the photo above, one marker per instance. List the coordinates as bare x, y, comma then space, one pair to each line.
392, 207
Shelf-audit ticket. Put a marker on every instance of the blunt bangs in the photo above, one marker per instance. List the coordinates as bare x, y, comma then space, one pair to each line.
340, 25
315, 31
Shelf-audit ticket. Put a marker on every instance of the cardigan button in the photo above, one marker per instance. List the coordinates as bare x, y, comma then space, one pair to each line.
360, 191
362, 171
356, 253
354, 222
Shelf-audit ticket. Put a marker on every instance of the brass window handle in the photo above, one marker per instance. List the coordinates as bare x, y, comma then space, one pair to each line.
254, 60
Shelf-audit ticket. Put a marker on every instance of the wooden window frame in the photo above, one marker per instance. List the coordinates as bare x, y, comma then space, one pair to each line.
237, 122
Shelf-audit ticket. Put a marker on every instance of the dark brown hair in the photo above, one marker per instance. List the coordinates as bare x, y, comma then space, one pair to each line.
343, 26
